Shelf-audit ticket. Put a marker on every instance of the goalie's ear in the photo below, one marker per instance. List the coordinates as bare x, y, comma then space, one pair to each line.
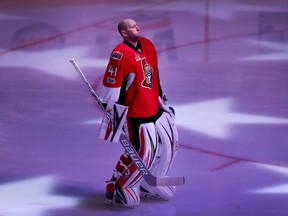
124, 34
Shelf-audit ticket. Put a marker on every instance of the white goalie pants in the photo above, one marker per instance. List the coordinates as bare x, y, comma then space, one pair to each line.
158, 144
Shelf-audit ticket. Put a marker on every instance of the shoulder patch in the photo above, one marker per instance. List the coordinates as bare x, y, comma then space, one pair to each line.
116, 55
110, 80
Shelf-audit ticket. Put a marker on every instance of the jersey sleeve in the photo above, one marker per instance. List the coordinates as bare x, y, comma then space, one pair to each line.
113, 76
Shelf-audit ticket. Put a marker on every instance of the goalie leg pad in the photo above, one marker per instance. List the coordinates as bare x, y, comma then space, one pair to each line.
168, 142
167, 146
124, 184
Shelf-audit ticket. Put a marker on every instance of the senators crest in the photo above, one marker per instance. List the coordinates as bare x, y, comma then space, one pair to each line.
148, 74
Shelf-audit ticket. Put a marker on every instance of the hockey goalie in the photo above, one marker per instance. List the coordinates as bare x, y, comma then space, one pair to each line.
135, 103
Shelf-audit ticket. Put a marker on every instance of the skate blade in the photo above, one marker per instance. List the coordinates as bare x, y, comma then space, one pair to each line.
118, 205
151, 197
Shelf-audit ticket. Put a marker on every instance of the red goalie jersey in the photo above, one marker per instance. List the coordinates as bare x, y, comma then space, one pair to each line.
131, 78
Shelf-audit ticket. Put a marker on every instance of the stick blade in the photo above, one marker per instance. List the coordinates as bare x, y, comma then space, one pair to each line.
170, 181
164, 181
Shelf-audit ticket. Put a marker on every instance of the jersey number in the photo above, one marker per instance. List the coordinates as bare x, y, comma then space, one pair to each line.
112, 71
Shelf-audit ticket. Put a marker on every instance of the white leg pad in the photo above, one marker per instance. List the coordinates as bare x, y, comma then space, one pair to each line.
167, 146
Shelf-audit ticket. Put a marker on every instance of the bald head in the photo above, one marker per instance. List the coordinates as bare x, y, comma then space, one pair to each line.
129, 30
122, 26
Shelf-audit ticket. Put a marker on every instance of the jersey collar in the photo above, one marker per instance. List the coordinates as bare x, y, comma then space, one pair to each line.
138, 47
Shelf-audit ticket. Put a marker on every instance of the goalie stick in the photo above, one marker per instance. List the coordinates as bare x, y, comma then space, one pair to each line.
129, 148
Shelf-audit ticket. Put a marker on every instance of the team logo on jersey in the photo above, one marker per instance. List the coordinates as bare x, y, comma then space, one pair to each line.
116, 55
148, 74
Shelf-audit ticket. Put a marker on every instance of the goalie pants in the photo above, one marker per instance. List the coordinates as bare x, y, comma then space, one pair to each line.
156, 140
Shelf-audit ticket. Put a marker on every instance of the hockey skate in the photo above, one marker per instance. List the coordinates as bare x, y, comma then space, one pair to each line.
157, 193
113, 200
121, 197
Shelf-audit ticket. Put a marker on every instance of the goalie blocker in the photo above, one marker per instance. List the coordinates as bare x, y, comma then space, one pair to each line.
113, 122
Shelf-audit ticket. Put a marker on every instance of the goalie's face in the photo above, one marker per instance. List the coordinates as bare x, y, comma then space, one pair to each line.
132, 31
